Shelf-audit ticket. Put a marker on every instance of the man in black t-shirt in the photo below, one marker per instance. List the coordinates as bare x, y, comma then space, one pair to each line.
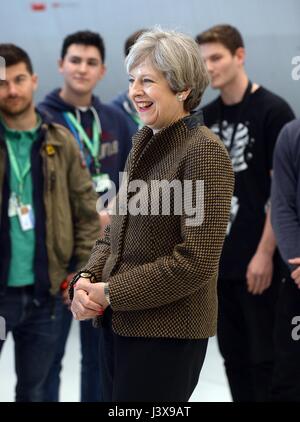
248, 119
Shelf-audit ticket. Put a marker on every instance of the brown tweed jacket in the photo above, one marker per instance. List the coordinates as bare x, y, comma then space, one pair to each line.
161, 271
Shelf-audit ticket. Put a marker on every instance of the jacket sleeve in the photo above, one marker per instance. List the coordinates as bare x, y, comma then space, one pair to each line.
99, 255
194, 261
100, 252
284, 204
83, 203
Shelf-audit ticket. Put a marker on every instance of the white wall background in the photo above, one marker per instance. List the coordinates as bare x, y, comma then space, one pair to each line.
270, 28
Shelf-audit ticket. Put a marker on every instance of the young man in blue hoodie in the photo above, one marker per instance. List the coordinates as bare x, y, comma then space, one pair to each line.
104, 139
122, 101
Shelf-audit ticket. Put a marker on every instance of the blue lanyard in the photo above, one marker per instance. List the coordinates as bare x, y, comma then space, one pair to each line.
82, 139
74, 132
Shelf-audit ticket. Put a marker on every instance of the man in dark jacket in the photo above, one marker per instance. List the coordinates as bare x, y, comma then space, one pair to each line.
104, 140
285, 216
48, 215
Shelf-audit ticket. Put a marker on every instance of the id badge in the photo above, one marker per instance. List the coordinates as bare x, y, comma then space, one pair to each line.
102, 182
26, 218
13, 205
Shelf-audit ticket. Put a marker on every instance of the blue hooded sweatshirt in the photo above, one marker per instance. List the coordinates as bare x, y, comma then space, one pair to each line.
116, 132
123, 103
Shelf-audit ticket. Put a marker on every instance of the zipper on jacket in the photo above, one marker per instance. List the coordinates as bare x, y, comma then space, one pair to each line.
52, 180
49, 174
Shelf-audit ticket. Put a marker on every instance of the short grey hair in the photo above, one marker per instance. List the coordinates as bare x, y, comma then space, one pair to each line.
177, 56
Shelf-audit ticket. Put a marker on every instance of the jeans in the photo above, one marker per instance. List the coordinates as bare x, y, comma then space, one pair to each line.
34, 326
91, 377
52, 382
91, 373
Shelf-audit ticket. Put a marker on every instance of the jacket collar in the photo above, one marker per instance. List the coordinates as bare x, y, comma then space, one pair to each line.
191, 121
194, 119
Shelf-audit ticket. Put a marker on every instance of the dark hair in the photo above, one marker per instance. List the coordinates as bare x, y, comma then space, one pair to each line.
132, 40
227, 35
13, 54
87, 38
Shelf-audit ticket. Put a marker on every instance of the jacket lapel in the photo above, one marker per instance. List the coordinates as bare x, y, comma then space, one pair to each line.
146, 149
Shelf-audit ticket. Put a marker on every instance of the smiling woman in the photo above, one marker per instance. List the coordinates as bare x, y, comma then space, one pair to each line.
155, 275
158, 106
162, 90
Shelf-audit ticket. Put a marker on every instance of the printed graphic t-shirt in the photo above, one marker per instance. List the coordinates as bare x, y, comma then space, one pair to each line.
251, 152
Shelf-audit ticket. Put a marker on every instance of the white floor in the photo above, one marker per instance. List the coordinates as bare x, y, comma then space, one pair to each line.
212, 386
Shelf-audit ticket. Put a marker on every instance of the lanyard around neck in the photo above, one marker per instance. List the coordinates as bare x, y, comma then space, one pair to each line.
133, 114
94, 145
137, 120
241, 108
20, 175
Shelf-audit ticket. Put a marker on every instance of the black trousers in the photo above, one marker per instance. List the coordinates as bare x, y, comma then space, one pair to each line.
286, 378
246, 338
149, 369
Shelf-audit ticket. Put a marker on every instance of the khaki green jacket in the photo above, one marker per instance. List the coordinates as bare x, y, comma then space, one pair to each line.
72, 223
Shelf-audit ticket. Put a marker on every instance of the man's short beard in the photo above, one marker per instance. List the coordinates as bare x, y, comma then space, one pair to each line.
7, 112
